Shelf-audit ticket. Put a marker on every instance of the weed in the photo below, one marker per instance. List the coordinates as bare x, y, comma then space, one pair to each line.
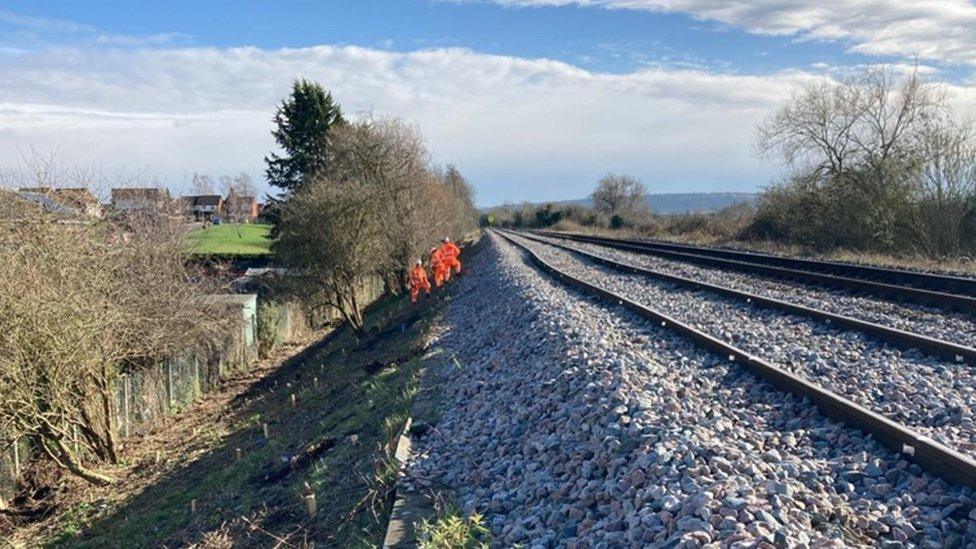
451, 529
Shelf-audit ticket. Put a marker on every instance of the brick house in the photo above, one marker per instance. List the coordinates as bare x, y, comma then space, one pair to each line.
240, 208
203, 207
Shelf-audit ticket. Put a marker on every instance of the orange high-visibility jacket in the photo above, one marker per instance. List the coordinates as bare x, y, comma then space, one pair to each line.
436, 258
451, 250
418, 278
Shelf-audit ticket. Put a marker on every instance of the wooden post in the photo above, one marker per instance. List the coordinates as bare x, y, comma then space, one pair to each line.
125, 405
159, 457
169, 384
310, 505
196, 364
264, 429
237, 454
193, 506
315, 382
294, 401
16, 458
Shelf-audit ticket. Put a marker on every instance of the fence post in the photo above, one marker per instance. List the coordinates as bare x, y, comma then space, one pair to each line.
16, 458
125, 404
169, 384
196, 361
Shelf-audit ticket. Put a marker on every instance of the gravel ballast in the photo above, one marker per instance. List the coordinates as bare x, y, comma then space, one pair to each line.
928, 394
930, 321
575, 423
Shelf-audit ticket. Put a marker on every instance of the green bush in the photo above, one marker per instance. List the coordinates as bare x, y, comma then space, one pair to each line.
870, 209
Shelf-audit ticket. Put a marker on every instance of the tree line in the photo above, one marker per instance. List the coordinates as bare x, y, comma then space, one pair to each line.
360, 201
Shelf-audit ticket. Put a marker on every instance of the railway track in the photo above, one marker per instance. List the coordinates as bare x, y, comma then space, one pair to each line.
902, 339
933, 456
948, 292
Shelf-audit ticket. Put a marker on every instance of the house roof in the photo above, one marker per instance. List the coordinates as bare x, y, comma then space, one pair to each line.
75, 197
203, 200
235, 201
140, 193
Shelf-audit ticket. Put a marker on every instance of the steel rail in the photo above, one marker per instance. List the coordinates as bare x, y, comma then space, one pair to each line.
957, 302
931, 281
932, 456
899, 338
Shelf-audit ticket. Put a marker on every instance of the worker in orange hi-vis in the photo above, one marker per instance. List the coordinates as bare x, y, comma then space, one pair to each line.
451, 256
418, 280
438, 267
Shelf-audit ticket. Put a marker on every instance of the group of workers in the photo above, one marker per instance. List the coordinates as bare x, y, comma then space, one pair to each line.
443, 260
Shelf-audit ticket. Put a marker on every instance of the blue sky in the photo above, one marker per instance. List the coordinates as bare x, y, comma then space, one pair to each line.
533, 99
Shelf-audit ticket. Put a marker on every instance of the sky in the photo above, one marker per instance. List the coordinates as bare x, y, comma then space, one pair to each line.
531, 99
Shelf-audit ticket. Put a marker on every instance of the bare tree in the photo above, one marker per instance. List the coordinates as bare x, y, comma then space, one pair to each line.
240, 195
620, 195
389, 159
201, 184
864, 121
947, 186
877, 163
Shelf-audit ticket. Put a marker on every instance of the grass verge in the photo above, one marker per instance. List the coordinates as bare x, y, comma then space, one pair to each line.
245, 240
210, 478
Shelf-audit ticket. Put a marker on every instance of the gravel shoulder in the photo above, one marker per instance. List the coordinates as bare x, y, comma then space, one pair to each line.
569, 422
931, 321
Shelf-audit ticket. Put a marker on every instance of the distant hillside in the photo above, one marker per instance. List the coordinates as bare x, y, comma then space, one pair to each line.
678, 203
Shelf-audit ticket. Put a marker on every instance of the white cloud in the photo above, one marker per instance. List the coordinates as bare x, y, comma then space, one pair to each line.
41, 30
943, 30
519, 128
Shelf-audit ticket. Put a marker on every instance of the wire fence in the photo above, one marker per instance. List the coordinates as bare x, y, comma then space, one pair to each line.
147, 395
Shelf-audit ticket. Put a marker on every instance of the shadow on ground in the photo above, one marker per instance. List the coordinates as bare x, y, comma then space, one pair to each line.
352, 397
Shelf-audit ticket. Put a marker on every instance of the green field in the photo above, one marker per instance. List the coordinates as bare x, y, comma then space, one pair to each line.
251, 240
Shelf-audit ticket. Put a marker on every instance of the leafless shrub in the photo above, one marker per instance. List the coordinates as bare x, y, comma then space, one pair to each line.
333, 239
80, 301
